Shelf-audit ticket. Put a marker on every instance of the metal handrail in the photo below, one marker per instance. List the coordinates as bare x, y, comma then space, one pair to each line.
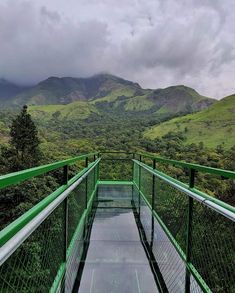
9, 231
197, 167
18, 231
20, 176
215, 204
9, 247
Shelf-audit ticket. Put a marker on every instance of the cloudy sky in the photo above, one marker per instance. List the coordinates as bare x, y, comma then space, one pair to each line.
154, 42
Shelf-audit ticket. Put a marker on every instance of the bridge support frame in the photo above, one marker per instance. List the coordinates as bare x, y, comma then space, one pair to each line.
189, 230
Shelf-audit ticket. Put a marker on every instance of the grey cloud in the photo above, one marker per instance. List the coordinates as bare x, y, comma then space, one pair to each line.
51, 15
156, 43
37, 48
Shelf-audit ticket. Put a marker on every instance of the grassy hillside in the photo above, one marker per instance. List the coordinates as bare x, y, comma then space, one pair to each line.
73, 111
213, 126
113, 96
107, 93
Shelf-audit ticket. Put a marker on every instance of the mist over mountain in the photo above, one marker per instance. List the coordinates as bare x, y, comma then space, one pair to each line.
104, 92
9, 90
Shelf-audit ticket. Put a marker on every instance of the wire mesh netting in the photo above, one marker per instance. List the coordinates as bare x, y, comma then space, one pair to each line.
76, 206
212, 245
146, 219
116, 166
91, 181
146, 184
17, 199
169, 203
136, 170
213, 248
170, 264
171, 206
77, 225
34, 265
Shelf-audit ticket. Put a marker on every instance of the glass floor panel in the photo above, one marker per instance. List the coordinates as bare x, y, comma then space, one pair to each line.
127, 250
116, 260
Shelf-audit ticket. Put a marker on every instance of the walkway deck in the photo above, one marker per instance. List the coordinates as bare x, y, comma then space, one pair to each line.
116, 260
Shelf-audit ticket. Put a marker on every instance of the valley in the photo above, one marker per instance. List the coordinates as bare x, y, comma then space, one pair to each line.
105, 111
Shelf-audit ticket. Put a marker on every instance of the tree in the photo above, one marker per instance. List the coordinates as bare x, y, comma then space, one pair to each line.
24, 143
22, 153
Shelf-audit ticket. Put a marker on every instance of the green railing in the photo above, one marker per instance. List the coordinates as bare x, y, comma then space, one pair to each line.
40, 251
200, 227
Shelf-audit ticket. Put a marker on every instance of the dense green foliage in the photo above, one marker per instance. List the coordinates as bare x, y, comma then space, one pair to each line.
24, 141
62, 137
22, 153
213, 126
114, 115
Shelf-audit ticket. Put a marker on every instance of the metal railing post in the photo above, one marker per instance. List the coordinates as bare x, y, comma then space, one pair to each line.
98, 176
139, 182
64, 182
153, 203
140, 159
189, 230
86, 165
94, 181
133, 176
98, 168
153, 186
133, 166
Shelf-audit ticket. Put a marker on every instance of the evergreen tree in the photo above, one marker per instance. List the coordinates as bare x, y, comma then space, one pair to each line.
22, 153
24, 150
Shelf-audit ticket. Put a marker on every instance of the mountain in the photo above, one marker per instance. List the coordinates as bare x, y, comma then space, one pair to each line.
111, 94
8, 91
66, 90
169, 101
213, 126
128, 100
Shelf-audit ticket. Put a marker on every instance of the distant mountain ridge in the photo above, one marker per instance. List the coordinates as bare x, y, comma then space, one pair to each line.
65, 90
9, 90
106, 93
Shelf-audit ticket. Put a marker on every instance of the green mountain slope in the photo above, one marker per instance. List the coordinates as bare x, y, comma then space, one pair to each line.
161, 103
213, 126
66, 90
111, 94
73, 111
127, 101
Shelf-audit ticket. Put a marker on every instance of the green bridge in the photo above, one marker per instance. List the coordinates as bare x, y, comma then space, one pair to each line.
117, 222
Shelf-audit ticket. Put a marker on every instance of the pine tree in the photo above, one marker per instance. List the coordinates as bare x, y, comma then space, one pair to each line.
24, 150
22, 153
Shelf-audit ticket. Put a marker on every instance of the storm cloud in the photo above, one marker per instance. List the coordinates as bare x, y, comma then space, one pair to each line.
157, 43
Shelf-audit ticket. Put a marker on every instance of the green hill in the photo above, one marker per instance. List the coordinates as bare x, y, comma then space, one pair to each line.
76, 110
160, 103
65, 90
126, 100
108, 94
213, 126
